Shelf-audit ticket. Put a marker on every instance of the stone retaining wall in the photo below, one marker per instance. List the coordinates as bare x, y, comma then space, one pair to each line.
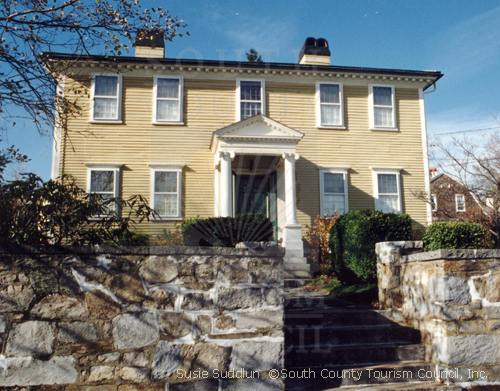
145, 318
453, 298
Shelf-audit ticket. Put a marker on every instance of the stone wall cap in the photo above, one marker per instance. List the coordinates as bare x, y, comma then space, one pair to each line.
263, 251
454, 255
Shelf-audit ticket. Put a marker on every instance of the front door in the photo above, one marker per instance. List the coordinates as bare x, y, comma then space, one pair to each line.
257, 194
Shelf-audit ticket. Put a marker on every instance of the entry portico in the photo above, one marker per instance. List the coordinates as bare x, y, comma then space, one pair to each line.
260, 136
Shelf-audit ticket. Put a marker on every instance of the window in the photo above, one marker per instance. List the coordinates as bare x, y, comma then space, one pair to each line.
334, 191
103, 180
250, 97
382, 108
433, 202
106, 91
166, 194
460, 202
329, 103
387, 189
168, 100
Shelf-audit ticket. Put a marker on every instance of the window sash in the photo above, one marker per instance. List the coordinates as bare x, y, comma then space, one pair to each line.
460, 202
166, 199
334, 193
388, 192
329, 99
168, 94
106, 97
107, 191
250, 95
383, 106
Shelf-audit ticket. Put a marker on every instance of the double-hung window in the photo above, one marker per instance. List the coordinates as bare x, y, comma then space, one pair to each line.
103, 180
250, 98
168, 99
333, 184
329, 103
459, 202
106, 97
382, 108
166, 190
387, 189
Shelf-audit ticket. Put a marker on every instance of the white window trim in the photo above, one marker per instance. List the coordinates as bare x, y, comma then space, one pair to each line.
333, 170
262, 96
181, 101
117, 120
171, 168
434, 204
387, 170
456, 203
104, 167
318, 107
372, 106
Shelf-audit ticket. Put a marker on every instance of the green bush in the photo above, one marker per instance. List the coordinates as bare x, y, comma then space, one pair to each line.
353, 239
455, 235
227, 231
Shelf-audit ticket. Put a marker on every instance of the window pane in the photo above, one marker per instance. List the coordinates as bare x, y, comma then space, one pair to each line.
166, 204
167, 88
332, 203
106, 108
382, 96
102, 181
329, 93
330, 115
165, 182
106, 85
460, 203
250, 90
387, 184
383, 116
334, 183
167, 110
249, 109
388, 203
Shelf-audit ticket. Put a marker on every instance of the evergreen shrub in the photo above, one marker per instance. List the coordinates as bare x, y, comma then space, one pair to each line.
455, 235
353, 239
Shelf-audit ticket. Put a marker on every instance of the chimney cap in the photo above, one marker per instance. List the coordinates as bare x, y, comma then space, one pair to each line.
150, 38
318, 47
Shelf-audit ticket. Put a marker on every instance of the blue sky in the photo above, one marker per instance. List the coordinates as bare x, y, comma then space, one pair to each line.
459, 38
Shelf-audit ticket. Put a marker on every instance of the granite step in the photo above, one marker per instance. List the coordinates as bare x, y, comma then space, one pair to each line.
318, 335
326, 316
330, 355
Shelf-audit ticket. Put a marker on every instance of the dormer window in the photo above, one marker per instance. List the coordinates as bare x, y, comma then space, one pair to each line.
106, 91
250, 98
168, 100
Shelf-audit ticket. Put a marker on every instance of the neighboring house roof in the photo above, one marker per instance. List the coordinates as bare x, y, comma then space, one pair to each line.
429, 76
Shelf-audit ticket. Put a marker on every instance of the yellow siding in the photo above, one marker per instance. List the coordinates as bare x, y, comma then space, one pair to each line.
210, 105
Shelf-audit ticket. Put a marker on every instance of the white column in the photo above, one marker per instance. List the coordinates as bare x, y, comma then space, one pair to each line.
290, 194
292, 232
226, 189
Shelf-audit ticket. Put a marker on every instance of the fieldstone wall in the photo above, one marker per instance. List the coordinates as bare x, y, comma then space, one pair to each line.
453, 298
144, 318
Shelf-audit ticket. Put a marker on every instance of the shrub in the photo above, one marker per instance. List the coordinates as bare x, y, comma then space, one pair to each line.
455, 235
317, 238
227, 231
353, 239
170, 237
131, 238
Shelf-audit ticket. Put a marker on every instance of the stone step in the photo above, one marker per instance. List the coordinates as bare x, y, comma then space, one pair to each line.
301, 336
300, 274
297, 282
311, 316
347, 378
367, 354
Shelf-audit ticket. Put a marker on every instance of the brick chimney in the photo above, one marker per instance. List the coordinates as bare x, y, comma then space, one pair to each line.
149, 44
315, 52
433, 172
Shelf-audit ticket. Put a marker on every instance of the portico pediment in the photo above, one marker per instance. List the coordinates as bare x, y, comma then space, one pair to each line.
257, 132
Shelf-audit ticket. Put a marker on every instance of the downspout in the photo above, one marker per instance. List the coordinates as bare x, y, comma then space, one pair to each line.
435, 87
